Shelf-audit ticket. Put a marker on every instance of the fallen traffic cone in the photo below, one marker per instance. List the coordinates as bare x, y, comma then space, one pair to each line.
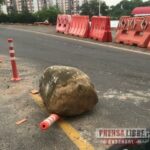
13, 61
44, 125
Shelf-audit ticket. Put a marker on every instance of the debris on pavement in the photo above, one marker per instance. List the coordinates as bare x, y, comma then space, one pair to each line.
34, 91
67, 91
21, 121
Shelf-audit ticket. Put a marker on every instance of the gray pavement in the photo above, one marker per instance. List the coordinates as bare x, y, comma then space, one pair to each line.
16, 104
121, 78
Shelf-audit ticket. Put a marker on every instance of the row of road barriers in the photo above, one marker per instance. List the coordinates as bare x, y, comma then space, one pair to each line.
130, 30
134, 31
98, 29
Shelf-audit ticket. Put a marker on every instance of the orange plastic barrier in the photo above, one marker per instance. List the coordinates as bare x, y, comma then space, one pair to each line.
121, 34
134, 31
100, 29
133, 27
79, 26
63, 23
148, 32
142, 35
148, 46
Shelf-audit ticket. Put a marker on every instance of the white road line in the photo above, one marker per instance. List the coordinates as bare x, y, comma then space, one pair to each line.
82, 41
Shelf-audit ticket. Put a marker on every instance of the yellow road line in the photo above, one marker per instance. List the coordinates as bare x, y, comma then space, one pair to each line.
37, 99
75, 136
71, 132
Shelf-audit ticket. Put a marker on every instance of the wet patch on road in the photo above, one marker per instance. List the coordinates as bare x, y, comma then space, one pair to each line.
134, 96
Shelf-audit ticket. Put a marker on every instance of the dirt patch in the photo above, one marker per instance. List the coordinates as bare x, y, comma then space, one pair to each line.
16, 104
8, 87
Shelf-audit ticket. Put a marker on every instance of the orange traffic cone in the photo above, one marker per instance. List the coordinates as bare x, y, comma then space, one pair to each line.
13, 61
44, 125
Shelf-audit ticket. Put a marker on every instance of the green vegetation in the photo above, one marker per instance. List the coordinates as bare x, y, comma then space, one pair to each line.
49, 14
1, 2
123, 8
17, 18
91, 8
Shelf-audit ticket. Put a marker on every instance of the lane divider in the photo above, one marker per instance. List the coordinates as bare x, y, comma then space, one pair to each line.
82, 41
70, 131
13, 61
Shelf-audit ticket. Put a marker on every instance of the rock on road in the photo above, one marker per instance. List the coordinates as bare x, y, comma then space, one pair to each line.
122, 79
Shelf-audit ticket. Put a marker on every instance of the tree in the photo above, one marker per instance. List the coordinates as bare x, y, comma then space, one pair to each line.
92, 8
104, 9
1, 1
49, 14
85, 9
125, 7
24, 6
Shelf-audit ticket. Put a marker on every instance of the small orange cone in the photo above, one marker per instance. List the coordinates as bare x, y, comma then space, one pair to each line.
44, 125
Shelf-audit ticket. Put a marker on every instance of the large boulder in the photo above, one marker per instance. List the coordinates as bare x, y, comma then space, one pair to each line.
67, 91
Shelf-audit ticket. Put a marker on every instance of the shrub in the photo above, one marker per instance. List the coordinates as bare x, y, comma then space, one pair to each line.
49, 14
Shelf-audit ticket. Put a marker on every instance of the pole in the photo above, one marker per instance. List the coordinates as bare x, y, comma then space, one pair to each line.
99, 8
13, 61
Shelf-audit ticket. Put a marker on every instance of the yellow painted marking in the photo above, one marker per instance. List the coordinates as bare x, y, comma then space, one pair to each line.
75, 136
37, 99
71, 132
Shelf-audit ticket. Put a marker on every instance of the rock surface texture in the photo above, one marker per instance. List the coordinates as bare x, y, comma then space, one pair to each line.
67, 91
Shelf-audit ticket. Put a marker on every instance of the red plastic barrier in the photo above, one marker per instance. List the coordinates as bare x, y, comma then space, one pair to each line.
100, 29
79, 26
135, 32
148, 46
142, 35
63, 23
121, 34
74, 25
131, 29
126, 31
148, 30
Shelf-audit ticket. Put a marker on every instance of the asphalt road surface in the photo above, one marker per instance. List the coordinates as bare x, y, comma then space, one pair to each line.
122, 80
